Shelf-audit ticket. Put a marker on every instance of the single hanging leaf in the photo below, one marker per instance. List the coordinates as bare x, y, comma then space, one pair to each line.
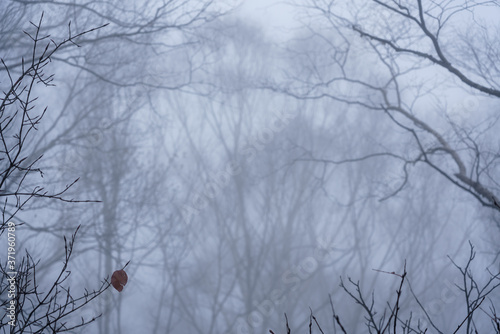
119, 279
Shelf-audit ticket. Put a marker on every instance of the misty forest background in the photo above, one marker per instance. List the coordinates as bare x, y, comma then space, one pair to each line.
248, 158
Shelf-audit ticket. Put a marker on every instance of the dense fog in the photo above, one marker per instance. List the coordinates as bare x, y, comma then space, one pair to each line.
252, 166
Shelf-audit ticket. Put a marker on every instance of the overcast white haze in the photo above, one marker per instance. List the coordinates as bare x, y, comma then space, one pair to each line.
225, 167
276, 17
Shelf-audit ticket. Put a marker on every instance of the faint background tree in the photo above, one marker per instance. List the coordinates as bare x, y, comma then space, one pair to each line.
99, 127
169, 117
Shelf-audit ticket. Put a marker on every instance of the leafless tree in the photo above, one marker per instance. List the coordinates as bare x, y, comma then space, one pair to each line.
29, 307
146, 50
405, 63
405, 44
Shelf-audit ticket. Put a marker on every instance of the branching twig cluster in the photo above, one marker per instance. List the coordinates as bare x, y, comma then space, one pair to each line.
37, 308
422, 42
19, 120
41, 309
391, 322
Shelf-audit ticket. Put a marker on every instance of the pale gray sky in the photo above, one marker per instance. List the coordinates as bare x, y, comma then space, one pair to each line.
275, 16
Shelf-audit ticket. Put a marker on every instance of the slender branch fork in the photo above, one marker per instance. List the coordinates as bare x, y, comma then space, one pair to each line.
470, 179
19, 122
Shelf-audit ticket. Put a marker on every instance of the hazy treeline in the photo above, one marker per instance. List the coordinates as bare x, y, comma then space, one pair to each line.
246, 176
